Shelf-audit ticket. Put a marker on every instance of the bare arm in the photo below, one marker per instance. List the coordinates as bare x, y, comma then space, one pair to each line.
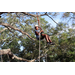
41, 31
37, 33
40, 28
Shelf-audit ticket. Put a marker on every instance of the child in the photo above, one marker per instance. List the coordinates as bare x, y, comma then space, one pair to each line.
42, 36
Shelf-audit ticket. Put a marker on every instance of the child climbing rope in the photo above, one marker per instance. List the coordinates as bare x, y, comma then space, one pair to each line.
39, 31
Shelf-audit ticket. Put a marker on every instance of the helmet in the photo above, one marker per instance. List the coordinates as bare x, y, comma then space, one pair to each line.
36, 25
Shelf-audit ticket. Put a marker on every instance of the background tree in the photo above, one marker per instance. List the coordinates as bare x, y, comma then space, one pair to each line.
17, 33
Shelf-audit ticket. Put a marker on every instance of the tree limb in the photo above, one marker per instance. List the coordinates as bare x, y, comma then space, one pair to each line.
7, 25
51, 18
9, 29
3, 30
4, 51
8, 51
32, 14
26, 13
22, 59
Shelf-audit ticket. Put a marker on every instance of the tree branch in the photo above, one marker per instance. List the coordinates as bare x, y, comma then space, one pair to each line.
4, 51
26, 13
7, 25
3, 30
51, 18
22, 59
8, 51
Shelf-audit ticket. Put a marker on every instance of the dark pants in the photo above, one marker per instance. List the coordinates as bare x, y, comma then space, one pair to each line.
41, 37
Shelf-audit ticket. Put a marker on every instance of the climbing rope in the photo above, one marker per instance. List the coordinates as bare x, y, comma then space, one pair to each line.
39, 39
39, 34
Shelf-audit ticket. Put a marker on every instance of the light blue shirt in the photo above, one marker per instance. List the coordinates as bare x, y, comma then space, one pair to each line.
37, 36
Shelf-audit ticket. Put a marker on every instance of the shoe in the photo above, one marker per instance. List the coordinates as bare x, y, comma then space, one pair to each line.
48, 43
51, 43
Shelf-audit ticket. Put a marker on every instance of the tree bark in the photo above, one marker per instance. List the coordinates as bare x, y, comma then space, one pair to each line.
8, 51
4, 51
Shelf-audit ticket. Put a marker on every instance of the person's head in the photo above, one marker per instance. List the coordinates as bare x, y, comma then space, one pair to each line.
36, 27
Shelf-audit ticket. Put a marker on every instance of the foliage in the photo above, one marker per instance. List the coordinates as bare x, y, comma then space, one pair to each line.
21, 45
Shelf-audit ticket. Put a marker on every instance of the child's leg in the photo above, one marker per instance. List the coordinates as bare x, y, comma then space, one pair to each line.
46, 37
49, 39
